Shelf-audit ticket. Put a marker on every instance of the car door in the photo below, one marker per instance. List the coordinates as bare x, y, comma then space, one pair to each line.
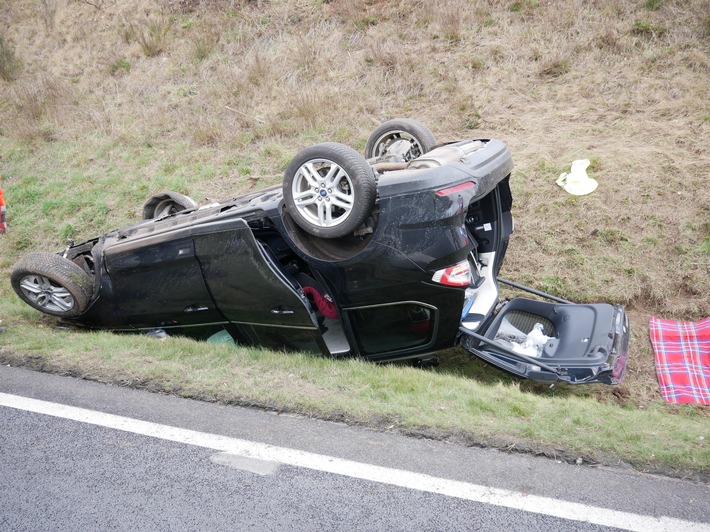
156, 282
555, 341
251, 290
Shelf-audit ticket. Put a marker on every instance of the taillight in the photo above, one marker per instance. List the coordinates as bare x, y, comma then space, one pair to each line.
454, 189
457, 275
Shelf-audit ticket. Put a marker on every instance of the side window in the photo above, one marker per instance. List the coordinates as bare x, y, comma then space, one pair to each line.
385, 328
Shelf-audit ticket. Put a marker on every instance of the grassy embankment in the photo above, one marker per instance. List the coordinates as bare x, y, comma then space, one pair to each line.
102, 105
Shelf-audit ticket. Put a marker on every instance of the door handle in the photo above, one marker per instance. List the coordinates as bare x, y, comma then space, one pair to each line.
197, 308
281, 310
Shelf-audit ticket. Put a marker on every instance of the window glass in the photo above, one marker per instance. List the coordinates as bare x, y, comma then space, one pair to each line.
393, 327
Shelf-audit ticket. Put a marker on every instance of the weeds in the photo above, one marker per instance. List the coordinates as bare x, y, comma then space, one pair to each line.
653, 5
204, 43
34, 112
524, 6
151, 34
646, 29
98, 4
450, 22
555, 68
37, 97
48, 13
119, 65
705, 246
705, 26
469, 113
10, 64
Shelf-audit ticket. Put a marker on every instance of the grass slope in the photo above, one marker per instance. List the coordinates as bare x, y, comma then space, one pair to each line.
103, 103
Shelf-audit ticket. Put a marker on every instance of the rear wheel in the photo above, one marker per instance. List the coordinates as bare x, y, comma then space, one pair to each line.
329, 190
399, 140
52, 284
165, 204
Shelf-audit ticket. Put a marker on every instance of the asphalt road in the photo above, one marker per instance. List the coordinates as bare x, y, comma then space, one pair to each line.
76, 455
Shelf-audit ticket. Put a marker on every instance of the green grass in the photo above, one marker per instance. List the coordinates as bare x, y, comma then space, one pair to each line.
121, 65
435, 403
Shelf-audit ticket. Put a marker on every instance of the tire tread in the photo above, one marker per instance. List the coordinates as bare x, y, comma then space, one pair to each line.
59, 269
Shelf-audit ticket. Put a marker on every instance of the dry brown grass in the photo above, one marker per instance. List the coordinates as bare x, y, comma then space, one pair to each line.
240, 86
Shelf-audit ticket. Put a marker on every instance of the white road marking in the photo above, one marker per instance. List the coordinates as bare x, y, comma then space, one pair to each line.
260, 467
396, 477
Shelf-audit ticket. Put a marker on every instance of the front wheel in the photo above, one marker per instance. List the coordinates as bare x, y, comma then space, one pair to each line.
165, 204
52, 284
399, 140
329, 190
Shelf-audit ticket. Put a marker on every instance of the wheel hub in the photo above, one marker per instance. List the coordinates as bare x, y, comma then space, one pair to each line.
39, 289
45, 296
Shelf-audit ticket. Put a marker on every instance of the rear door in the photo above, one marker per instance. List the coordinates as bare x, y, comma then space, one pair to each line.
574, 343
156, 282
251, 290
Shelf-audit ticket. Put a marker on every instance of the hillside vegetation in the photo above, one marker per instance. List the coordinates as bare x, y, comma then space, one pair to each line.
105, 102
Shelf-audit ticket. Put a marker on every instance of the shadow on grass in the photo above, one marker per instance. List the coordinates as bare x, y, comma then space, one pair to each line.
457, 361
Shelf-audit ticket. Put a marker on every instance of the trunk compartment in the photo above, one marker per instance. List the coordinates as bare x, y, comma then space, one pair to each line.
555, 341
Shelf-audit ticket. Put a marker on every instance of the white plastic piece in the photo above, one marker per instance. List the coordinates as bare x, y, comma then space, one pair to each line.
577, 182
530, 344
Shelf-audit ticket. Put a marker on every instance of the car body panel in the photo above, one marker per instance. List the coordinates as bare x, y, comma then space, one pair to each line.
243, 285
151, 280
250, 291
583, 343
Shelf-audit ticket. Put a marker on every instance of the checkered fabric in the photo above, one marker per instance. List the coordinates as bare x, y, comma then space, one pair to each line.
682, 352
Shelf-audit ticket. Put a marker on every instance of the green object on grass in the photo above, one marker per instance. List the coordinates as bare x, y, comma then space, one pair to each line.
221, 337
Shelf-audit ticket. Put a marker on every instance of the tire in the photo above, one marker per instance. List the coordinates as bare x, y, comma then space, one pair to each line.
52, 284
329, 190
384, 141
165, 204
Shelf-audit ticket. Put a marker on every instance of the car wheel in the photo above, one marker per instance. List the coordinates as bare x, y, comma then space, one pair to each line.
52, 284
165, 204
329, 190
401, 139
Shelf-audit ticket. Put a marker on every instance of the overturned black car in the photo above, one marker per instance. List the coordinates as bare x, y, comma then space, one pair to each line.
390, 256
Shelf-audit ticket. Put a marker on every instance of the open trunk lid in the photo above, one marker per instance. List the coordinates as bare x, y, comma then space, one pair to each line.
555, 341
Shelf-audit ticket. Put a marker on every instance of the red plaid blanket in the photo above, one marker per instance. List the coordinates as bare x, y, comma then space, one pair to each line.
682, 352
